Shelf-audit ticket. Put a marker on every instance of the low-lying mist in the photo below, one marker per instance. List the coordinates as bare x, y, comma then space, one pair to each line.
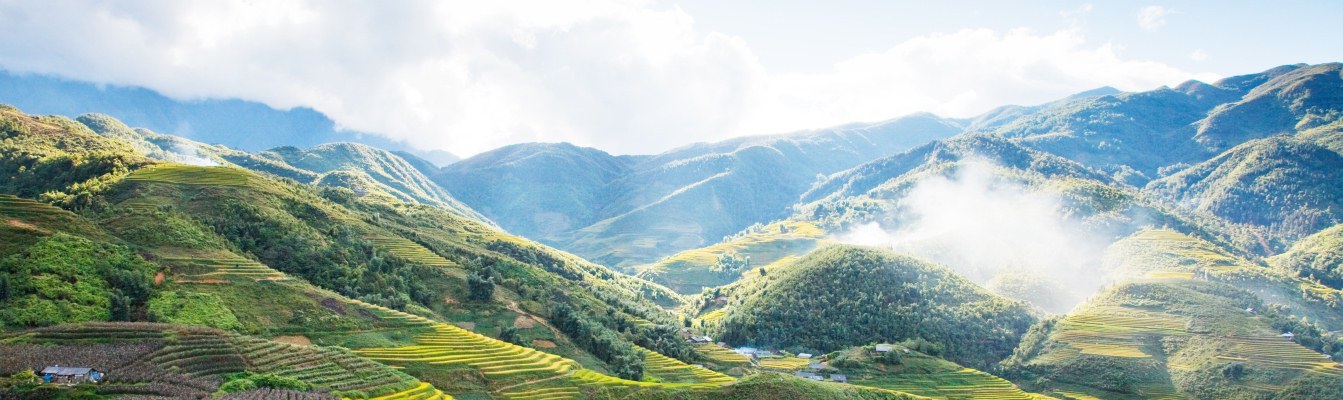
999, 232
186, 153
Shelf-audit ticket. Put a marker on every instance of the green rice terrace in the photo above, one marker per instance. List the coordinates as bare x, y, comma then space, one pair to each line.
215, 266
1178, 320
897, 368
722, 356
671, 370
410, 251
782, 363
765, 246
183, 174
517, 372
143, 359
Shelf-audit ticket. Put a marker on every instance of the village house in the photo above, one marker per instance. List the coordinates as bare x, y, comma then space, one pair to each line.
701, 339
70, 375
839, 378
808, 375
804, 356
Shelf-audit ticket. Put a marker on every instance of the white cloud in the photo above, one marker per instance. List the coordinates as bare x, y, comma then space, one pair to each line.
1198, 55
629, 77
982, 225
1152, 18
958, 74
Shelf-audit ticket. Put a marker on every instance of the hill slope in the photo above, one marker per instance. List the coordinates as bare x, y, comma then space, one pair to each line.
1186, 323
842, 296
1287, 186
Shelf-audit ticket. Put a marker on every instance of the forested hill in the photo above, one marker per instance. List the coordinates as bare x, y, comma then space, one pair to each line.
841, 295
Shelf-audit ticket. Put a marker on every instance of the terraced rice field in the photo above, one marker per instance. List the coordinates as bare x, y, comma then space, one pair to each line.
721, 355
183, 174
589, 378
1115, 331
788, 364
12, 206
423, 391
410, 251
957, 385
218, 265
451, 345
394, 317
200, 354
1278, 352
713, 316
327, 369
669, 369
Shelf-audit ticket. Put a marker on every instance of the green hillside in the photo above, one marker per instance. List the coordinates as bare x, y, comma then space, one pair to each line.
236, 250
1188, 324
1316, 257
841, 296
1286, 186
761, 247
1293, 98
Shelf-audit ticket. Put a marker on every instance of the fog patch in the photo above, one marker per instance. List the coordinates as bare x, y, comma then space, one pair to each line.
187, 153
986, 226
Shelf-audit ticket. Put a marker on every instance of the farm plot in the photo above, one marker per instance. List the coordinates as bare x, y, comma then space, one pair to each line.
786, 364
187, 362
669, 369
410, 251
720, 355
1116, 331
182, 174
1279, 353
452, 345
325, 368
217, 265
12, 206
423, 391
969, 384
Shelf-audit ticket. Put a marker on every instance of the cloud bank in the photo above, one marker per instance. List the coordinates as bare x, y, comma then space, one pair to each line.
629, 77
985, 226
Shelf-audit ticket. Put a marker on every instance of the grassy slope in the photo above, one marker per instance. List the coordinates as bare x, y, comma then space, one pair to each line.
690, 271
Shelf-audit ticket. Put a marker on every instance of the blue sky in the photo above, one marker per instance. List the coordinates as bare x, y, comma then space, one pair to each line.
635, 77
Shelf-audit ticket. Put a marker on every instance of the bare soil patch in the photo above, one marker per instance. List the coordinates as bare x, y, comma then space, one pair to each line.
293, 339
544, 344
524, 322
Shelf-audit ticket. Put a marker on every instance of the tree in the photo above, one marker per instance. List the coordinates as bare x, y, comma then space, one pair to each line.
481, 288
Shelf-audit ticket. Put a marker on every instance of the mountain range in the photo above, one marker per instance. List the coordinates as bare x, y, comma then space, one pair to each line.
1181, 242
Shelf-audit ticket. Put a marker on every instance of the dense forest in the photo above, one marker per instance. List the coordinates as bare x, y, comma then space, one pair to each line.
840, 296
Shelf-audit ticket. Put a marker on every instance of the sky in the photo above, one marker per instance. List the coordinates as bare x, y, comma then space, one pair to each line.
640, 77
